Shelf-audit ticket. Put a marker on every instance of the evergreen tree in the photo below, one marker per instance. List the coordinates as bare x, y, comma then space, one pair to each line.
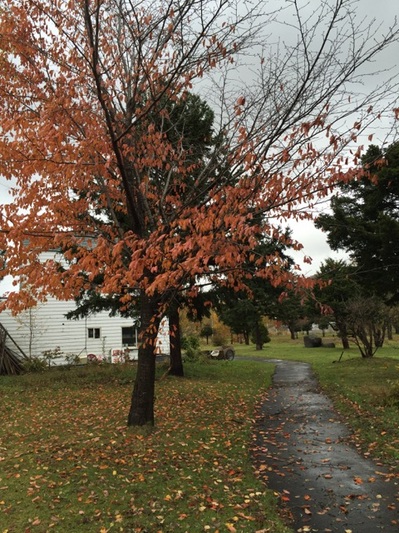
365, 222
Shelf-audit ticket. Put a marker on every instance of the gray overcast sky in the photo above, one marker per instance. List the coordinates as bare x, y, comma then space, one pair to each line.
314, 241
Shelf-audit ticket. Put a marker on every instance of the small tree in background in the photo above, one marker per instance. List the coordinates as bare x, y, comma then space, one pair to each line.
260, 335
323, 323
367, 319
206, 331
339, 286
290, 310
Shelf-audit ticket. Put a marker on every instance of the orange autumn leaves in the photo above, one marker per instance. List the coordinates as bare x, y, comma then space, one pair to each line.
106, 176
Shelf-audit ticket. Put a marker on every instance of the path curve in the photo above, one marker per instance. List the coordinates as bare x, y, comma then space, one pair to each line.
302, 452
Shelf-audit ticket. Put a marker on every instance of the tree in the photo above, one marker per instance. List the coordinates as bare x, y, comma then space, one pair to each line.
260, 335
188, 125
339, 286
87, 91
356, 314
243, 310
365, 222
367, 321
240, 315
290, 310
206, 331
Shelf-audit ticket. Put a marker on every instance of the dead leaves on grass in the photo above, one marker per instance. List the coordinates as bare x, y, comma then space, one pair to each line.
72, 456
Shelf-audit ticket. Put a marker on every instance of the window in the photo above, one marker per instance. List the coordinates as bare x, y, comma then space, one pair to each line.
93, 333
128, 338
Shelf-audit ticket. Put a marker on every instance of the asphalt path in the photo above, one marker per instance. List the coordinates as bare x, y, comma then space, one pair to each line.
303, 453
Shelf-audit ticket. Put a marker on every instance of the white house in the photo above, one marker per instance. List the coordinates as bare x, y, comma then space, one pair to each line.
45, 327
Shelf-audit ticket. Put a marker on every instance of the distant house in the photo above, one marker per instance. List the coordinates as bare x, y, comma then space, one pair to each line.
45, 327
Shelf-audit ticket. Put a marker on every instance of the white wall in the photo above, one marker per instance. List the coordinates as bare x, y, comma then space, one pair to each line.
45, 328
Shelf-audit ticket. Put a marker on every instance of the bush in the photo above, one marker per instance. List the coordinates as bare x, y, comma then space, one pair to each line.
72, 359
260, 335
218, 338
34, 364
191, 345
51, 355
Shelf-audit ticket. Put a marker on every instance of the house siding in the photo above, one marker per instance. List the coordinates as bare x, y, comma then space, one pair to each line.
45, 327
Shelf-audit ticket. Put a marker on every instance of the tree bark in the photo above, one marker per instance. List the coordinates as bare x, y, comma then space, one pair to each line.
258, 337
345, 342
176, 362
343, 331
142, 404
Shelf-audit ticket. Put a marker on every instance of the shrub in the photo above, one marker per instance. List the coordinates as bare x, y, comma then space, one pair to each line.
191, 346
72, 359
218, 338
52, 354
260, 335
34, 364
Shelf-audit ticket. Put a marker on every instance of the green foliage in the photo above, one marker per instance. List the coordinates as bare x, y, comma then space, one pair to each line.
365, 222
290, 310
206, 331
260, 335
191, 345
240, 315
339, 285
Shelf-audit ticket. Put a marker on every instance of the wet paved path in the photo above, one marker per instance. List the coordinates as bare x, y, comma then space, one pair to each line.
302, 452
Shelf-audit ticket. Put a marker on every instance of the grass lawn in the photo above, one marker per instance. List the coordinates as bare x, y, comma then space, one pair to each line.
69, 464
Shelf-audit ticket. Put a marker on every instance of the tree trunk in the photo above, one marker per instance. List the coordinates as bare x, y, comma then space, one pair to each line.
343, 331
142, 404
176, 362
258, 337
345, 342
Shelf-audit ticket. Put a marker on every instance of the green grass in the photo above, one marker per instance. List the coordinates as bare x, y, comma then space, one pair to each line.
68, 463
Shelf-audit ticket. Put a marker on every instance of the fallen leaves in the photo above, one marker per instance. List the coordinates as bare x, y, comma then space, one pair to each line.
76, 459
